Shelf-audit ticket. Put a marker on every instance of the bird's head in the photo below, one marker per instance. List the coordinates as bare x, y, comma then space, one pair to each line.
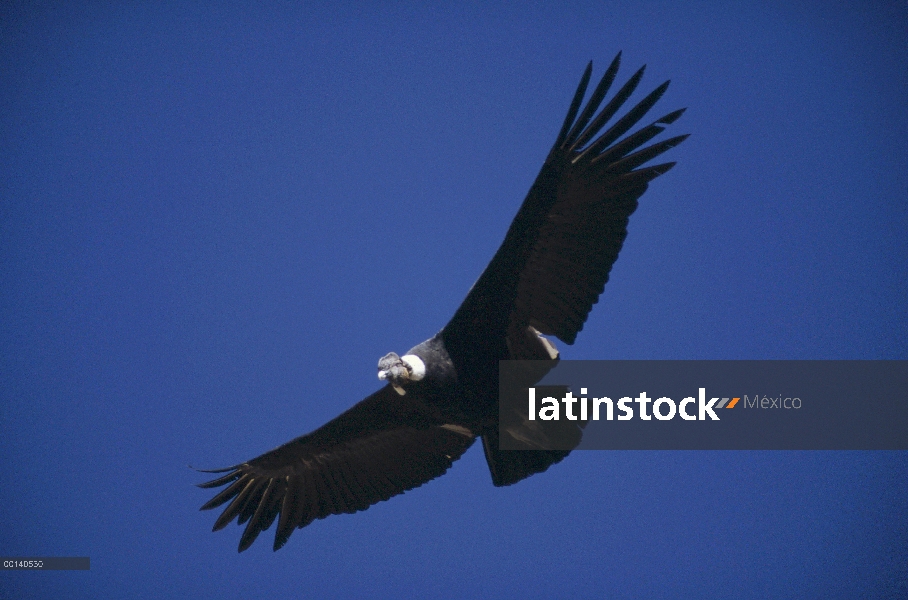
398, 370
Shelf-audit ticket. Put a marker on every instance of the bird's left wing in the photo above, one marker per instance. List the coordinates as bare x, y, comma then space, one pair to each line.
557, 254
381, 447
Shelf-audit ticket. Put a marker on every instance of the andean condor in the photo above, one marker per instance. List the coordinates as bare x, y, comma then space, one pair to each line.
443, 394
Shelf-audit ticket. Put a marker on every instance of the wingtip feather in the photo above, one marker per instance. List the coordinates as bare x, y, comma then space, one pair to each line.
575, 104
672, 116
223, 470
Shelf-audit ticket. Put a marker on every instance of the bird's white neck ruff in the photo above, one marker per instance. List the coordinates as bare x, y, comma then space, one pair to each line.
417, 366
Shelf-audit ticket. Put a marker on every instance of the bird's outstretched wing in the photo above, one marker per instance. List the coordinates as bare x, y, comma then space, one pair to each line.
381, 447
556, 257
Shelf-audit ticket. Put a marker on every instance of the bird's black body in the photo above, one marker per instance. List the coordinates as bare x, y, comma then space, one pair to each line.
443, 394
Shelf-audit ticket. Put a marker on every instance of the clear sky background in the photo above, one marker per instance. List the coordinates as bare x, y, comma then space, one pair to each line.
215, 219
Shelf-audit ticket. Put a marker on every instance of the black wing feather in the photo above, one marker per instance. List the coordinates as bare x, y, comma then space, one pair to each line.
595, 100
609, 110
575, 103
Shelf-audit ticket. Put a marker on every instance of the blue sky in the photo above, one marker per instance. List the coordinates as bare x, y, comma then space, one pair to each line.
215, 219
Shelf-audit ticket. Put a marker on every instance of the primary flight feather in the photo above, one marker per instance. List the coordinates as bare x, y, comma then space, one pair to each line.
443, 394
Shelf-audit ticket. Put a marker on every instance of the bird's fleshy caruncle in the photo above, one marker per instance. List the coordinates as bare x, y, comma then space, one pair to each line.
397, 370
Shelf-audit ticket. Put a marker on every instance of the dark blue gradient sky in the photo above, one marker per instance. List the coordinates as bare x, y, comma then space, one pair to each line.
215, 220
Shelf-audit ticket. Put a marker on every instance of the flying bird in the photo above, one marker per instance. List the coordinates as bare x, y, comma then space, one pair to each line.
443, 393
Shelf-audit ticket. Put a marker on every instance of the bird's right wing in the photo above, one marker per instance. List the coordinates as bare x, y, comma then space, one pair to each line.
381, 447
